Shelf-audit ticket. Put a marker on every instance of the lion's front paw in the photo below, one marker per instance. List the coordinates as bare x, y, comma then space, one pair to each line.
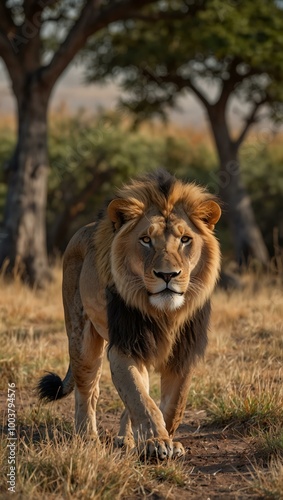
126, 442
161, 449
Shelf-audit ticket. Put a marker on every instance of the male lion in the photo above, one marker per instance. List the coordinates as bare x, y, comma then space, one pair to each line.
140, 278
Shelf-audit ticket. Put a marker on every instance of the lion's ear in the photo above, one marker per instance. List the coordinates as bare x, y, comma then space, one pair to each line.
209, 212
120, 211
115, 212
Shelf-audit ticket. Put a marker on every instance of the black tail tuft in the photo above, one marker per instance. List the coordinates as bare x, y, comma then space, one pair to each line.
50, 387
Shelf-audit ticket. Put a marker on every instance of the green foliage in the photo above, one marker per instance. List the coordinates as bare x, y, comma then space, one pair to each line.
58, 18
88, 158
91, 156
236, 45
7, 144
103, 153
81, 149
262, 172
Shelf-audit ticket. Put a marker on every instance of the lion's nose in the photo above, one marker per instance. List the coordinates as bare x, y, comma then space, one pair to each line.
166, 276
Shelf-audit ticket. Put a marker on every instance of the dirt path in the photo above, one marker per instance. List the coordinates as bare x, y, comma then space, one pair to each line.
217, 460
217, 463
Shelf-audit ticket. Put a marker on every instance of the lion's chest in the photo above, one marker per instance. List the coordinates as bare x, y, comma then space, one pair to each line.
137, 335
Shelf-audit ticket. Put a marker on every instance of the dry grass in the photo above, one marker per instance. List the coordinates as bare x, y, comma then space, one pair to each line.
239, 386
62, 467
268, 484
28, 319
245, 354
197, 136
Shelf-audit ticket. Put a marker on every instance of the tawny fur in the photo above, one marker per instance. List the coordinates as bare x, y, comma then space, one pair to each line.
157, 229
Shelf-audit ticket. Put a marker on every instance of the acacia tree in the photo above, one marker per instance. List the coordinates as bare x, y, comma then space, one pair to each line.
38, 40
227, 50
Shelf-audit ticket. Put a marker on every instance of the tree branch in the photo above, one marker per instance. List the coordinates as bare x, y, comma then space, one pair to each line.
160, 16
229, 85
41, 3
6, 21
199, 95
234, 78
27, 40
28, 6
33, 6
10, 59
179, 81
93, 18
248, 122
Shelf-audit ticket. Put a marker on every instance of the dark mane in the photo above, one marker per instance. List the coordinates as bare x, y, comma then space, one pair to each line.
130, 331
138, 336
163, 179
192, 341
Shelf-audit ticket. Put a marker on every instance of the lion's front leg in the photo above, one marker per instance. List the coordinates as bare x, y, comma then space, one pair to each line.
148, 426
131, 382
174, 393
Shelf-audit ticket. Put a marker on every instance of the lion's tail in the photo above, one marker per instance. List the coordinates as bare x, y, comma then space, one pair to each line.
51, 387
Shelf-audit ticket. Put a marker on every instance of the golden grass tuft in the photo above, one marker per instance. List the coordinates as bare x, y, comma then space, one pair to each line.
65, 466
268, 484
28, 319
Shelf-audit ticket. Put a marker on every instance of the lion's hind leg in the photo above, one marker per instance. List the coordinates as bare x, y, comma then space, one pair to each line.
86, 368
125, 438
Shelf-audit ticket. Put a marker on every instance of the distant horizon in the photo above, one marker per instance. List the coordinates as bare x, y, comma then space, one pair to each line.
76, 95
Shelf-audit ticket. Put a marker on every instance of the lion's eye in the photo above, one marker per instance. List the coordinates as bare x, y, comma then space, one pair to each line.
145, 240
186, 239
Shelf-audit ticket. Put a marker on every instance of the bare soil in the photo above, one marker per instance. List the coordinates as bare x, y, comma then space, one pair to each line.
217, 463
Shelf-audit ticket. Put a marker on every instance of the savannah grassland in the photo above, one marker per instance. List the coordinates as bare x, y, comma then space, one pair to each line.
233, 426
232, 429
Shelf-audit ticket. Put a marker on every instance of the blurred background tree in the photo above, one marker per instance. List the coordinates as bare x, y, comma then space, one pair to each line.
38, 40
91, 154
226, 51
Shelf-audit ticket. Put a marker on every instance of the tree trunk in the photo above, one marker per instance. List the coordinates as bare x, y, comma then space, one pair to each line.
24, 244
247, 239
74, 205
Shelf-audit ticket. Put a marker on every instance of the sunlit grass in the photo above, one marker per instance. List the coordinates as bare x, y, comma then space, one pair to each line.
53, 462
255, 407
270, 443
238, 386
268, 484
65, 466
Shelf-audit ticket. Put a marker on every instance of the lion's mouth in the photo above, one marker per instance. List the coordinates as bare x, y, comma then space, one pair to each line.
166, 291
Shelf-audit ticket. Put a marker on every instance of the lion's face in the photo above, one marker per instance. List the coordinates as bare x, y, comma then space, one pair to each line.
163, 258
160, 261
163, 254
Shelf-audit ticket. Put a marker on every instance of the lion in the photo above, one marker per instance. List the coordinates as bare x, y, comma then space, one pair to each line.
140, 279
